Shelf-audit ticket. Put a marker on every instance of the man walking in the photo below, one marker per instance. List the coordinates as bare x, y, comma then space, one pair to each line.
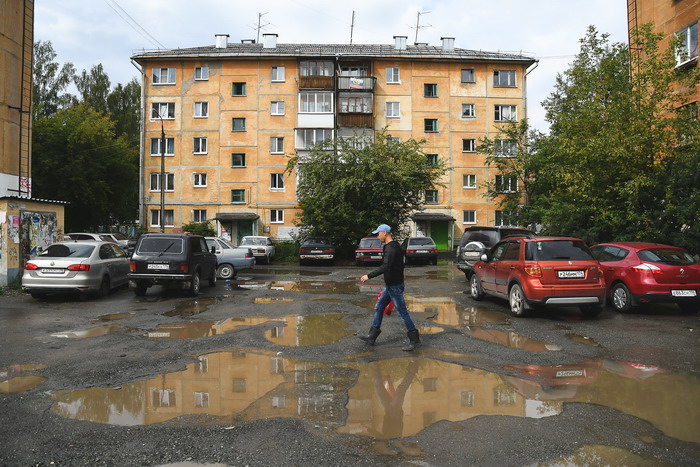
392, 268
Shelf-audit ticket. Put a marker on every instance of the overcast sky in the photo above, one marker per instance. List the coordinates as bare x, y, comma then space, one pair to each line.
88, 32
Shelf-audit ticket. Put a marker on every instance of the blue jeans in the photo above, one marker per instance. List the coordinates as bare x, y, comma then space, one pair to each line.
392, 293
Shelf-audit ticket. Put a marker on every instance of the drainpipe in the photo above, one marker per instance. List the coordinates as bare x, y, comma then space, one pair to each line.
141, 143
537, 62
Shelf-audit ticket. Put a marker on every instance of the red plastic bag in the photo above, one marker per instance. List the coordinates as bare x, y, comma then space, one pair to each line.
389, 308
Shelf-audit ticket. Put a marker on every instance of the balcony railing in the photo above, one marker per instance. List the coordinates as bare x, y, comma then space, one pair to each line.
317, 82
355, 120
356, 83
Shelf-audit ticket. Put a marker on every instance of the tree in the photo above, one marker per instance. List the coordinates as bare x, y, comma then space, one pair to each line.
49, 81
78, 158
199, 228
94, 87
348, 187
599, 172
124, 107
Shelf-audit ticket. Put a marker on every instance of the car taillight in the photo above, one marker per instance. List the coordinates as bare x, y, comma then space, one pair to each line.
31, 267
433, 251
132, 266
646, 267
533, 270
261, 250
249, 255
328, 251
184, 267
79, 267
411, 251
303, 251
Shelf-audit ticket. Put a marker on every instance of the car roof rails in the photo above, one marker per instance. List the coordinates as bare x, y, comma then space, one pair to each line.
525, 235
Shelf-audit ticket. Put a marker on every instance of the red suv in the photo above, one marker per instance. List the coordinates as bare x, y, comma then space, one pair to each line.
639, 273
370, 250
530, 271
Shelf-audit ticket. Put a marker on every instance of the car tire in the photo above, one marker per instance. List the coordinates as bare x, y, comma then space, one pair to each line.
621, 298
591, 311
212, 278
517, 301
226, 271
140, 289
104, 289
37, 295
687, 308
195, 284
475, 290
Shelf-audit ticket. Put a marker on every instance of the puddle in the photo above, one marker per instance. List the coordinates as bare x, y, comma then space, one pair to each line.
18, 382
273, 300
430, 329
510, 339
328, 300
385, 399
92, 332
290, 272
193, 306
112, 317
320, 287
582, 339
196, 329
597, 454
303, 331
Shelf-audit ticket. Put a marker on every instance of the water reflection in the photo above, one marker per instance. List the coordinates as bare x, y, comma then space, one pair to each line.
597, 454
196, 329
510, 339
92, 332
302, 331
112, 317
18, 381
194, 306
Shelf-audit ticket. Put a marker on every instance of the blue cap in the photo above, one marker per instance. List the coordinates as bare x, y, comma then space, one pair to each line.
382, 228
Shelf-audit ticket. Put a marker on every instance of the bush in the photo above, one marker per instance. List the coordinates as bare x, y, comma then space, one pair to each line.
286, 251
199, 228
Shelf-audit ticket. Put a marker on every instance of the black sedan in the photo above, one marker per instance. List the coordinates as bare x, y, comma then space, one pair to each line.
317, 249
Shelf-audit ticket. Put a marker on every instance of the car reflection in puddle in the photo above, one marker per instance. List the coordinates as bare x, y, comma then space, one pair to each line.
112, 317
510, 339
194, 306
13, 379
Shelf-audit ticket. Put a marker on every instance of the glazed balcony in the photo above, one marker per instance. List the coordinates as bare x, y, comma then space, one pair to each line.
356, 83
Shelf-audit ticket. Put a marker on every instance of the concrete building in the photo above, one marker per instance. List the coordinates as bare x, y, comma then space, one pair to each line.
231, 112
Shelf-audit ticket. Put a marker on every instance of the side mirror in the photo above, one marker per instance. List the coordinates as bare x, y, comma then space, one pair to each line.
484, 257
213, 250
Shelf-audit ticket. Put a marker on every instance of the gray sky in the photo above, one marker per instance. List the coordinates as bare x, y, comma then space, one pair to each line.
88, 32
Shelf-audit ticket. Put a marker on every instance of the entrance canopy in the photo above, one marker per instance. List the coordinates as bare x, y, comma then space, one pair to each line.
236, 216
431, 216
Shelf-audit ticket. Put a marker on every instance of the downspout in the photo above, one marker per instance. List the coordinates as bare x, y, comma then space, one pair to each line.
142, 217
537, 62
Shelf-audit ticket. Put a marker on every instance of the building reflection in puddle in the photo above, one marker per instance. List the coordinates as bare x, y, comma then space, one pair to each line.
196, 329
92, 332
13, 379
194, 306
308, 330
598, 454
112, 317
510, 339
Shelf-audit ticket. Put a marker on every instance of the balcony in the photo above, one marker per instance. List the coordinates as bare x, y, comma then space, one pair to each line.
356, 83
356, 120
317, 82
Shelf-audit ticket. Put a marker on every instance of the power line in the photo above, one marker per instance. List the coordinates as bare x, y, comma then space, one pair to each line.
133, 23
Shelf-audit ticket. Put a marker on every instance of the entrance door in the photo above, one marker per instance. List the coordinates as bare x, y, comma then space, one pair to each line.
438, 231
245, 228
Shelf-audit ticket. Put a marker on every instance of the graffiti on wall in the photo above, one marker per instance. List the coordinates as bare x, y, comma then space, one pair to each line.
39, 230
13, 228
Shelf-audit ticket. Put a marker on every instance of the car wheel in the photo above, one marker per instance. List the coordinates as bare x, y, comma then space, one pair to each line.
226, 271
37, 295
194, 284
434, 261
140, 289
621, 298
685, 307
475, 289
103, 291
591, 311
518, 304
212, 278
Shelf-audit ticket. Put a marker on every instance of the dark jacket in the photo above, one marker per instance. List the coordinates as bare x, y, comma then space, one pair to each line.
392, 267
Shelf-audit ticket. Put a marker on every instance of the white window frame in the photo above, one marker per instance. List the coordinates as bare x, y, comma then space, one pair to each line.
276, 144
199, 180
199, 145
155, 218
276, 71
471, 144
201, 73
164, 110
276, 107
276, 216
392, 140
433, 159
316, 68
199, 215
393, 75
309, 137
469, 216
501, 113
500, 184
276, 182
154, 182
163, 76
468, 111
505, 148
201, 109
309, 102
356, 104
505, 79
469, 181
393, 109
688, 47
169, 146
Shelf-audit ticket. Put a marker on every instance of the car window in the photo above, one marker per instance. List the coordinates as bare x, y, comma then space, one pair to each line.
498, 251
202, 244
118, 252
212, 243
73, 250
253, 241
106, 252
80, 237
422, 241
608, 253
106, 238
370, 243
195, 246
224, 244
119, 236
512, 252
666, 256
556, 250
165, 245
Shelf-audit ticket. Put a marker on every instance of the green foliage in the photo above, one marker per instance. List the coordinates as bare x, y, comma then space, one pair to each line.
94, 87
286, 251
49, 81
124, 107
199, 228
346, 190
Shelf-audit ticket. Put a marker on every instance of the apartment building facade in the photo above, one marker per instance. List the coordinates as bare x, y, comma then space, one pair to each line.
232, 113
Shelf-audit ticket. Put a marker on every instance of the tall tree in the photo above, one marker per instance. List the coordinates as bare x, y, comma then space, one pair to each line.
124, 107
345, 190
94, 87
50, 81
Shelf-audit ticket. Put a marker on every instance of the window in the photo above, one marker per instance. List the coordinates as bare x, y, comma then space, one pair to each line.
201, 73
199, 180
506, 183
201, 400
431, 125
688, 44
392, 140
169, 182
277, 73
431, 197
156, 146
238, 124
468, 75
277, 182
201, 109
237, 160
430, 384
315, 102
469, 145
309, 137
277, 108
276, 216
469, 217
505, 113
466, 398
430, 90
276, 145
393, 110
237, 196
162, 397
238, 89
356, 104
432, 159
164, 110
505, 217
504, 78
505, 148
164, 76
392, 75
199, 145
469, 181
238, 385
168, 218
468, 111
316, 68
199, 215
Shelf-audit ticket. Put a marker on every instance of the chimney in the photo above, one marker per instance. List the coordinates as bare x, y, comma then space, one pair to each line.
221, 41
400, 42
269, 41
448, 43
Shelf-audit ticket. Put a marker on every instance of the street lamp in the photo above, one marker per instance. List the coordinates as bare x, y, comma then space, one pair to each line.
162, 172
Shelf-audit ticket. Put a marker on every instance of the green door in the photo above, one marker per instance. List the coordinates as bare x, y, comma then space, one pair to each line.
245, 228
438, 231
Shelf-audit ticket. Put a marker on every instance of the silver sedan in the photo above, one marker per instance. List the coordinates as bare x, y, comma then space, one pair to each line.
76, 267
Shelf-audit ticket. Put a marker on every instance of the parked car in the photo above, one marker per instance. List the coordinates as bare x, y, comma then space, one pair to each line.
477, 240
74, 266
92, 237
637, 273
531, 271
229, 259
369, 250
317, 249
173, 260
420, 249
127, 244
262, 247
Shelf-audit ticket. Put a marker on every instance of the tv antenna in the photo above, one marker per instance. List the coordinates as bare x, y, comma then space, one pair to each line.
418, 27
352, 25
260, 26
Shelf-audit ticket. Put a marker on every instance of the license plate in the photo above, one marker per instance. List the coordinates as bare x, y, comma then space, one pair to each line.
376, 257
683, 293
316, 251
571, 274
421, 251
568, 373
158, 266
52, 271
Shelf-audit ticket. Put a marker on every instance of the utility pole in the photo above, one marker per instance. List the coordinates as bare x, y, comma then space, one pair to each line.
352, 25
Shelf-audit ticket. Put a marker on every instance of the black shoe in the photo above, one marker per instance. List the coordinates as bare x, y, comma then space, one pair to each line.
372, 335
414, 340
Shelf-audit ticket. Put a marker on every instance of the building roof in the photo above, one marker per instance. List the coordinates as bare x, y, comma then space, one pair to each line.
256, 50
33, 200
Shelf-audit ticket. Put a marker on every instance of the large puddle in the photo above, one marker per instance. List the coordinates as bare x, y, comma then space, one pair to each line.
15, 379
384, 399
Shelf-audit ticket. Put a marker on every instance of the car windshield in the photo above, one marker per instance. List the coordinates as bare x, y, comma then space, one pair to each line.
555, 250
666, 256
370, 243
317, 241
421, 241
166, 245
119, 236
254, 241
65, 250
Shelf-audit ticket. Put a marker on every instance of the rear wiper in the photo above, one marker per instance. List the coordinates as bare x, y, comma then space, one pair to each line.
166, 249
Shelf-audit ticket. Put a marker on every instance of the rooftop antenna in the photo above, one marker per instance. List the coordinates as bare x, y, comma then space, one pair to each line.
352, 25
259, 26
418, 27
